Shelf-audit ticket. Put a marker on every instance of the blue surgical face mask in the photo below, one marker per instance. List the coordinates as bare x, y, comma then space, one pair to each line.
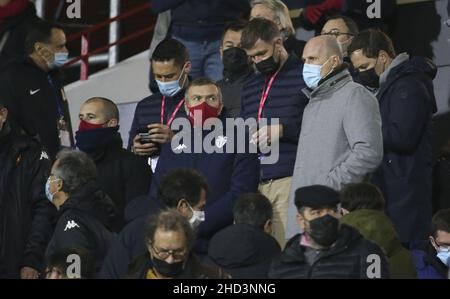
60, 59
47, 189
170, 89
444, 255
311, 74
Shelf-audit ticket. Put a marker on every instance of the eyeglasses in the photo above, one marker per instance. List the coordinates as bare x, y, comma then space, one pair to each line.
336, 33
164, 254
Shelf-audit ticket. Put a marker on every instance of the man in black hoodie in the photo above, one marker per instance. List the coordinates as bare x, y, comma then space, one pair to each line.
85, 212
404, 89
26, 217
246, 248
122, 175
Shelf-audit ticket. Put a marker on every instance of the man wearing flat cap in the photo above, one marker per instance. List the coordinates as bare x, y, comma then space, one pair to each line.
326, 249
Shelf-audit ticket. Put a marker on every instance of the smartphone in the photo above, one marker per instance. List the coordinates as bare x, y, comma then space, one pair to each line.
144, 135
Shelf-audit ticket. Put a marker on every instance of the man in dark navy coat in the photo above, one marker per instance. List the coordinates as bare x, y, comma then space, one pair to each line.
404, 89
229, 171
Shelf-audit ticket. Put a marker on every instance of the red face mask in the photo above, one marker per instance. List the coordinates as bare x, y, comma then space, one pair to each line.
85, 126
200, 113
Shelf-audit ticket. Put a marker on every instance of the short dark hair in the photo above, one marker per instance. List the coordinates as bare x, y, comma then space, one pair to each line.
351, 25
253, 209
238, 25
256, 29
371, 42
75, 168
169, 220
440, 221
111, 110
362, 196
182, 184
202, 81
169, 49
59, 261
39, 32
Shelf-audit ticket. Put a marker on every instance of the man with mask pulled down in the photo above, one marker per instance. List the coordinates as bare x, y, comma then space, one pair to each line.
326, 249
32, 85
230, 170
121, 175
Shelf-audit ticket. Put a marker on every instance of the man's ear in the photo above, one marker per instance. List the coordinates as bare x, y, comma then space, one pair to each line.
300, 221
433, 242
187, 67
268, 226
113, 122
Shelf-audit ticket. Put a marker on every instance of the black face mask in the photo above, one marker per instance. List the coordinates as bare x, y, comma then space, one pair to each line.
369, 78
90, 140
235, 61
324, 230
268, 66
168, 270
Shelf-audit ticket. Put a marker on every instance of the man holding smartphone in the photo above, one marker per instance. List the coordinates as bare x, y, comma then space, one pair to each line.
154, 114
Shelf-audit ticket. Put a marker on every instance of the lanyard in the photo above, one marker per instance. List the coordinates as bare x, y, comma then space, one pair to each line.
265, 94
163, 104
57, 98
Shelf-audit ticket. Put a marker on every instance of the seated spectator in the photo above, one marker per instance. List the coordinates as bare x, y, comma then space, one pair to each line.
26, 216
16, 18
277, 12
363, 208
71, 263
432, 258
85, 212
182, 189
326, 249
237, 68
246, 248
169, 239
229, 172
122, 175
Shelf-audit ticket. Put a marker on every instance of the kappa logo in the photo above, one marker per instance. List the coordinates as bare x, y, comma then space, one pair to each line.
180, 147
44, 155
220, 141
71, 224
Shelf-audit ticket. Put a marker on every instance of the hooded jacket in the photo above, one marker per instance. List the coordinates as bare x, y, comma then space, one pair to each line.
243, 251
407, 103
376, 227
84, 221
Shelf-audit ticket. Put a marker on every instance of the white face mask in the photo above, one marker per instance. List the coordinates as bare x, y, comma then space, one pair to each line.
197, 217
444, 255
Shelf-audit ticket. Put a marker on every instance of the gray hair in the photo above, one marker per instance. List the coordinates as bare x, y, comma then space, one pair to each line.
75, 169
281, 13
